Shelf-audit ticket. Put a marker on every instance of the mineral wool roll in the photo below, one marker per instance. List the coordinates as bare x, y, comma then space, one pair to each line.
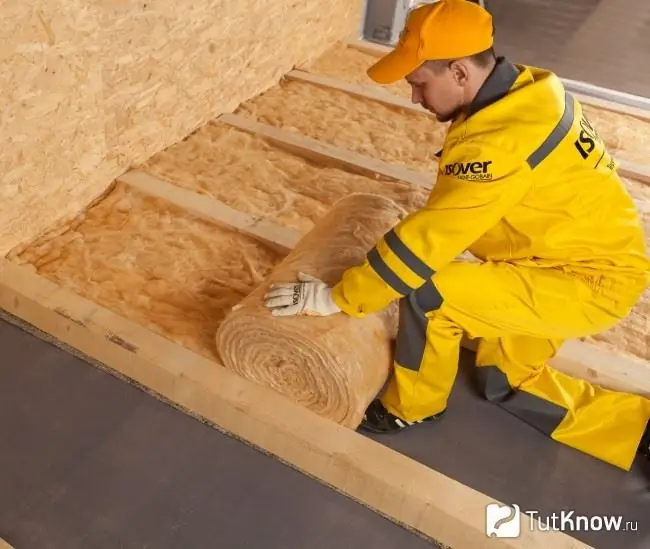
332, 365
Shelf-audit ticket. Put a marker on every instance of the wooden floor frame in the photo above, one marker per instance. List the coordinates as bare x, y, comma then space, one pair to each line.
407, 492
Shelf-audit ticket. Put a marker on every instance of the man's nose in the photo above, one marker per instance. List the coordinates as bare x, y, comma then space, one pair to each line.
416, 96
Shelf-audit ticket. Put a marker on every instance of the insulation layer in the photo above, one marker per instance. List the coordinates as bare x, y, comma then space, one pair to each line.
252, 176
627, 137
333, 365
370, 128
410, 139
151, 262
88, 88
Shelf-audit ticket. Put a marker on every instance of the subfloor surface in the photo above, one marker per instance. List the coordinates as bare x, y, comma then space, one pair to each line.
484, 447
88, 461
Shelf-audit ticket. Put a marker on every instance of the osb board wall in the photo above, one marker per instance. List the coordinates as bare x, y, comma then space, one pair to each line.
87, 89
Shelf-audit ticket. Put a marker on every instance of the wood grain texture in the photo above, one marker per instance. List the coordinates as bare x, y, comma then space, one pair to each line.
89, 88
418, 497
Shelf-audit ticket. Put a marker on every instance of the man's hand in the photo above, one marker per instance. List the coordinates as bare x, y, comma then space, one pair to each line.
309, 296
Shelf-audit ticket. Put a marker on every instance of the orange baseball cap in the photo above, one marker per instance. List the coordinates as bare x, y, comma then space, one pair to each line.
446, 29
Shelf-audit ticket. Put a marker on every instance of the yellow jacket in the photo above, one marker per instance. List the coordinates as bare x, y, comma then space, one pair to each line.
524, 178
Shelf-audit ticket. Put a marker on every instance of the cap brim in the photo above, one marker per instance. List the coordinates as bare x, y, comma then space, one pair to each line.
393, 67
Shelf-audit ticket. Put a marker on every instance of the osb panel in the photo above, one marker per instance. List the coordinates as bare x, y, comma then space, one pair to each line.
247, 173
153, 263
87, 89
626, 136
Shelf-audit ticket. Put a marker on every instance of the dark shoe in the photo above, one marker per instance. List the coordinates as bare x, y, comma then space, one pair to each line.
379, 420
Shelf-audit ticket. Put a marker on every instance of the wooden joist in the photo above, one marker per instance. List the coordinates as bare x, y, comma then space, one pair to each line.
369, 91
631, 170
280, 238
576, 358
322, 152
416, 496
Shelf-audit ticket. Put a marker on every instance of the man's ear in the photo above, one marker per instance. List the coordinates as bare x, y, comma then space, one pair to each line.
460, 72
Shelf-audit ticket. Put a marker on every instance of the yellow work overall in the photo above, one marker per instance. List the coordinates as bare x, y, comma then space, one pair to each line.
523, 316
527, 186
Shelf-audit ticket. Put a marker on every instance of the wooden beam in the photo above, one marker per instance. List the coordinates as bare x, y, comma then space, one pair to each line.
612, 101
609, 105
280, 238
388, 482
639, 172
635, 171
318, 151
598, 366
376, 50
582, 360
370, 91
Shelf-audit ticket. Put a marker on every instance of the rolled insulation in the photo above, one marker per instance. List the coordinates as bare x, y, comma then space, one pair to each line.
332, 365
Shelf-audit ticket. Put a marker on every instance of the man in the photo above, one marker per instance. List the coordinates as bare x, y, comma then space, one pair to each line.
527, 186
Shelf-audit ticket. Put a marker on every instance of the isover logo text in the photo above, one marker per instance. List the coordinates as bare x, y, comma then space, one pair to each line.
472, 171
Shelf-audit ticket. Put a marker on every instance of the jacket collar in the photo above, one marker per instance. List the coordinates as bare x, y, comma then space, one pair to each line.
496, 86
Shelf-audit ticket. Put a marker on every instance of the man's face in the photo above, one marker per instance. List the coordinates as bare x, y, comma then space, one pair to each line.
438, 91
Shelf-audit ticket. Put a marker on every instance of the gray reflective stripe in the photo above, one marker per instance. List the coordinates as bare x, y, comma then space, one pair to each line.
556, 136
388, 276
428, 297
543, 415
492, 383
407, 257
411, 342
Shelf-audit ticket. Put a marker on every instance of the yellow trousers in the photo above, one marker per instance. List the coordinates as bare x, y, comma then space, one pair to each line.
522, 315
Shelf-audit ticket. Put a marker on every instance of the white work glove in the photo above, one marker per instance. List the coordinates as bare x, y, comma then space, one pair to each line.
310, 296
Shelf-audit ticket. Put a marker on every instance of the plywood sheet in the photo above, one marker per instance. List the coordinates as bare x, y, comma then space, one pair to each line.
88, 88
249, 174
626, 136
151, 262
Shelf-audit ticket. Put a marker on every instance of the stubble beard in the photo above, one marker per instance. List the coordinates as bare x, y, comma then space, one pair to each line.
443, 118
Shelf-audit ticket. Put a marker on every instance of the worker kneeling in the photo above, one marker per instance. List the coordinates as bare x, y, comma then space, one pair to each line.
527, 186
